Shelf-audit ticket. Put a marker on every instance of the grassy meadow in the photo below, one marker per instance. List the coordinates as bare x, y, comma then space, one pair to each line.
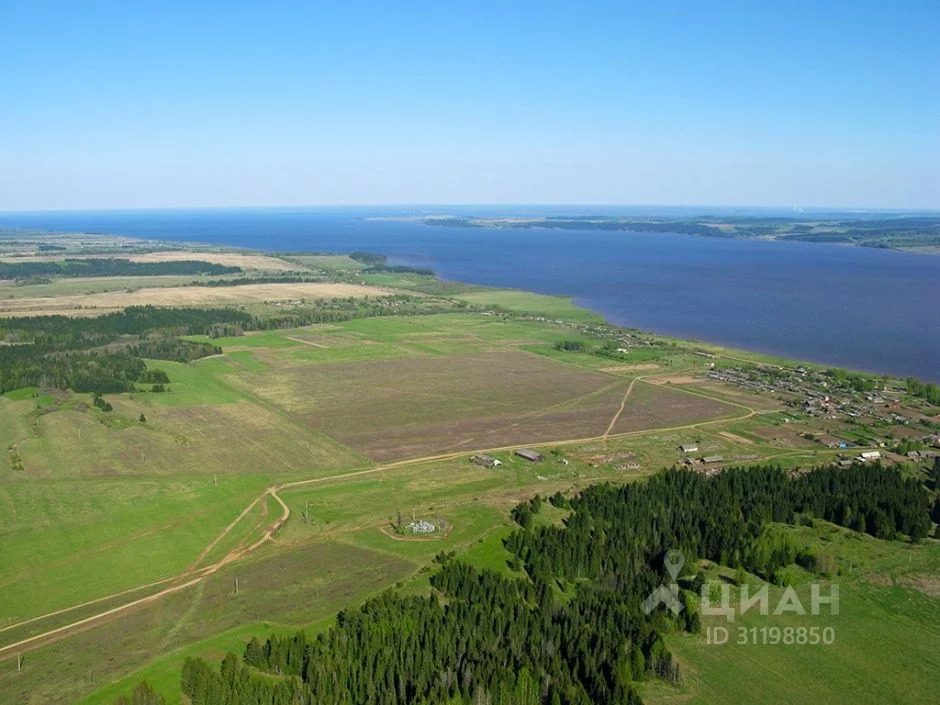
885, 634
358, 422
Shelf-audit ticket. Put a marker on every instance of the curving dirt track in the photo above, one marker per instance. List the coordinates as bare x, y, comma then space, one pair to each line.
193, 576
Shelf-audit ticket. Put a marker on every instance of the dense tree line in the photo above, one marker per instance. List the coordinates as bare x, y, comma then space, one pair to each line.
370, 258
614, 529
399, 269
571, 628
853, 380
110, 370
924, 390
480, 638
570, 346
109, 267
103, 354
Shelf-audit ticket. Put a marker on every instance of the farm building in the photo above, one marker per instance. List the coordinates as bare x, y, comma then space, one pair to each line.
486, 461
870, 456
712, 459
688, 448
530, 455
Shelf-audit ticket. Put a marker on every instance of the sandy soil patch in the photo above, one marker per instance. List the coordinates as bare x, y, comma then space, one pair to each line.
785, 435
674, 379
305, 342
879, 579
927, 584
645, 367
736, 438
105, 302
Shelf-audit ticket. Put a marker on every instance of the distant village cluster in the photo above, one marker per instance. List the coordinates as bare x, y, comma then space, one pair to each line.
855, 410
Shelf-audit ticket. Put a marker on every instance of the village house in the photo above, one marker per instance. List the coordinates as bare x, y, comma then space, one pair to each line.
485, 461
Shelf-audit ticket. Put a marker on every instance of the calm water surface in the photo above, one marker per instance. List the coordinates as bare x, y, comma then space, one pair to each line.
869, 309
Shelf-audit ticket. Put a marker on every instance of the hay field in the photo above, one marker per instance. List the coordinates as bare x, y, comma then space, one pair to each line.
265, 263
223, 439
106, 302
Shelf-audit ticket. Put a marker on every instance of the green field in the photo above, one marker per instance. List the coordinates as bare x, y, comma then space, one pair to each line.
95, 503
527, 302
886, 626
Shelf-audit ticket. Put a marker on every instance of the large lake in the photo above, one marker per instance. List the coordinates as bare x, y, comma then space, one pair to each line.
869, 309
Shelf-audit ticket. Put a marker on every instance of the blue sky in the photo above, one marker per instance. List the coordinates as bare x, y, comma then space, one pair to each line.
127, 104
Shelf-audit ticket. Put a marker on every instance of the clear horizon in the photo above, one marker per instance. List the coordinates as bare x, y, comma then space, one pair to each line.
200, 105
553, 206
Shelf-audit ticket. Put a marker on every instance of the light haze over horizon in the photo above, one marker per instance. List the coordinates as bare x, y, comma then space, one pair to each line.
111, 105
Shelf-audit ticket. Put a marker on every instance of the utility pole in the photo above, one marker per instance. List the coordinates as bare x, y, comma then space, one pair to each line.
19, 662
236, 584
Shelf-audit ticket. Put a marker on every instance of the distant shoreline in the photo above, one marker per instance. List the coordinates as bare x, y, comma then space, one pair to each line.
863, 308
916, 234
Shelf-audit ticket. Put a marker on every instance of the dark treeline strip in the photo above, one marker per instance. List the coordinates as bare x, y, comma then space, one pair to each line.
399, 269
370, 258
109, 267
483, 638
85, 332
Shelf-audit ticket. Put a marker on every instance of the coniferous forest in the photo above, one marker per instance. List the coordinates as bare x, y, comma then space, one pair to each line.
568, 628
109, 267
103, 354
